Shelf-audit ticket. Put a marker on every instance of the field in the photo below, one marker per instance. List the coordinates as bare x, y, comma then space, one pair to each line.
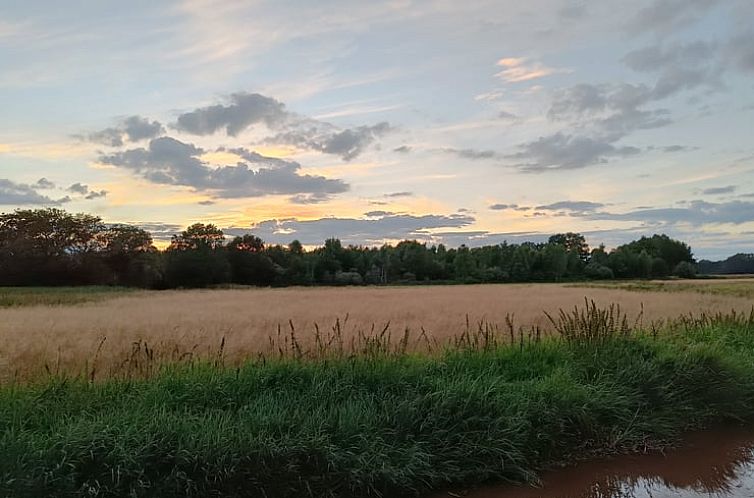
737, 287
197, 394
117, 333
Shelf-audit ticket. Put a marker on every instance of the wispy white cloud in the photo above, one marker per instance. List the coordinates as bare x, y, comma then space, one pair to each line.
519, 69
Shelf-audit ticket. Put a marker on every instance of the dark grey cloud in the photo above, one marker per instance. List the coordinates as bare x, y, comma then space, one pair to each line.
315, 198
728, 189
378, 214
347, 144
572, 206
242, 111
560, 151
680, 66
473, 154
20, 194
572, 10
664, 16
506, 115
403, 149
502, 207
96, 194
43, 184
613, 111
172, 162
129, 130
358, 231
399, 194
78, 188
740, 50
160, 231
676, 148
694, 213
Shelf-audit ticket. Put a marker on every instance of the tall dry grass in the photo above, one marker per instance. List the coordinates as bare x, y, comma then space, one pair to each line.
132, 332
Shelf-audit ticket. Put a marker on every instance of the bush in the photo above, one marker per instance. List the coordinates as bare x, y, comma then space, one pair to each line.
684, 269
598, 271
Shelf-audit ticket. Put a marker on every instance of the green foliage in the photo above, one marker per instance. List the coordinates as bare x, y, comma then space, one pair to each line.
737, 264
684, 269
377, 425
52, 247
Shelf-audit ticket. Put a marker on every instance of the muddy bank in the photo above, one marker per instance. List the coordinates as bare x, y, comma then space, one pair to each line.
716, 464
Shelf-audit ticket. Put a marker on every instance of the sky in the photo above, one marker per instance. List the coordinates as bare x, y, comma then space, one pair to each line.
450, 122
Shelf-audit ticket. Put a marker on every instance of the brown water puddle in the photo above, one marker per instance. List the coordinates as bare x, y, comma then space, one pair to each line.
717, 464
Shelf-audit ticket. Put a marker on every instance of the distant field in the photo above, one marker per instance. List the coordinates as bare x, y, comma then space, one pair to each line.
56, 296
108, 332
737, 287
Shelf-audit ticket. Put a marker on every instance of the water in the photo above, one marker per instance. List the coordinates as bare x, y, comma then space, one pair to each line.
717, 464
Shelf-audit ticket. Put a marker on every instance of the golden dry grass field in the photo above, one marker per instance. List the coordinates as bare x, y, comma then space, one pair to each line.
108, 336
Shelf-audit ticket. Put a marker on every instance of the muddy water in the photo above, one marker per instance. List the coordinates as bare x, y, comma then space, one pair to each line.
716, 464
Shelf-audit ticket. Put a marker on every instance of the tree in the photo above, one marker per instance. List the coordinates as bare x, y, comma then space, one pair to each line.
198, 236
129, 253
572, 242
195, 258
48, 247
249, 264
662, 246
684, 269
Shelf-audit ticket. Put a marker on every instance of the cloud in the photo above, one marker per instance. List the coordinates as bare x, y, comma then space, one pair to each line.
18, 194
560, 152
719, 190
573, 206
243, 110
44, 184
172, 162
572, 10
347, 144
694, 213
506, 115
78, 188
614, 111
316, 198
665, 16
740, 50
129, 130
96, 195
502, 207
678, 66
403, 149
159, 230
370, 231
246, 109
472, 154
675, 148
518, 69
399, 194
513, 207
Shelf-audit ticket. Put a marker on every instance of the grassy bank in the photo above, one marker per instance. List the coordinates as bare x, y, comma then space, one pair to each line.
379, 424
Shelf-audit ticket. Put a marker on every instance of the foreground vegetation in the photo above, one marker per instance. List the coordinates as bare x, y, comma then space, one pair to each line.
329, 421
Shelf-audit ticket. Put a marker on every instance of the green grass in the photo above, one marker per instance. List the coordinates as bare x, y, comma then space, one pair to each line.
715, 287
375, 425
57, 296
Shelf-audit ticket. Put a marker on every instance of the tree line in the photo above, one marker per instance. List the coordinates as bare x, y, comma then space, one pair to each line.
50, 247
